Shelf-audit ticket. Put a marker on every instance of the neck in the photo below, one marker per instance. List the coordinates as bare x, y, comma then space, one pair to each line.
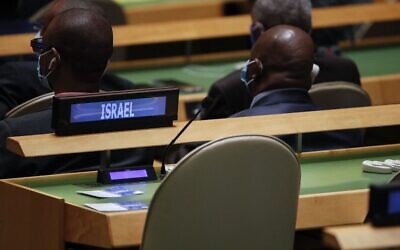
70, 83
280, 81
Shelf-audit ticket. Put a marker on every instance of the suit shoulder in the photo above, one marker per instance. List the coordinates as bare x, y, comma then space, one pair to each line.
39, 123
232, 80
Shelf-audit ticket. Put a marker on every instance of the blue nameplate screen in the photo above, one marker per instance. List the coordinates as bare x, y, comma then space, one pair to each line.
134, 174
115, 110
394, 202
112, 110
128, 174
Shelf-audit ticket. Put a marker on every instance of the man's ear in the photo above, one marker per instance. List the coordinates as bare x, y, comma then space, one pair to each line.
256, 69
55, 61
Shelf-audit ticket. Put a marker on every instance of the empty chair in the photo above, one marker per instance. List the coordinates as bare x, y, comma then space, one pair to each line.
36, 104
333, 95
238, 192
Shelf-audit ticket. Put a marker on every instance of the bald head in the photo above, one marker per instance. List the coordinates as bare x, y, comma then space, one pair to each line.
275, 12
83, 43
59, 6
286, 53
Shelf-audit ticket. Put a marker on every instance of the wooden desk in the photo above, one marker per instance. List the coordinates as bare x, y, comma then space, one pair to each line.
382, 89
206, 130
184, 10
173, 11
60, 217
360, 237
154, 33
44, 212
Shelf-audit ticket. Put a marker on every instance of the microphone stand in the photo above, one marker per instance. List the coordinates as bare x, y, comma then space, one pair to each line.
162, 170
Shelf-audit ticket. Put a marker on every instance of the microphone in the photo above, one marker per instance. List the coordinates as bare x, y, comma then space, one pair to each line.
163, 172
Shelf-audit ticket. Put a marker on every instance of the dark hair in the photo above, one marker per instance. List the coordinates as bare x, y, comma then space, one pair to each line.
275, 12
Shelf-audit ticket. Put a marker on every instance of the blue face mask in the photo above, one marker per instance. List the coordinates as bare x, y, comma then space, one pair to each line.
42, 78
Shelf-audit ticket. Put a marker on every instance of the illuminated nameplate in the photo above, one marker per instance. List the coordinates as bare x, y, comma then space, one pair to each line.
134, 174
114, 111
128, 174
120, 109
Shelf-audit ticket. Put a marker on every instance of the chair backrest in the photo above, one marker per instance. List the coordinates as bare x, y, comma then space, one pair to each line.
239, 192
36, 104
333, 95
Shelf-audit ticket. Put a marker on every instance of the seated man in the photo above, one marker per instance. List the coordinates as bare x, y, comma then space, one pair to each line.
73, 54
328, 38
19, 81
228, 96
278, 77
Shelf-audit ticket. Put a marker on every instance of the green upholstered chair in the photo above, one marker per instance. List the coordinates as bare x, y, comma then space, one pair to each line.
334, 95
238, 192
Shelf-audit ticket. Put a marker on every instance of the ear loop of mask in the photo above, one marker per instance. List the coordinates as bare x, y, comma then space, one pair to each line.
244, 72
314, 72
39, 72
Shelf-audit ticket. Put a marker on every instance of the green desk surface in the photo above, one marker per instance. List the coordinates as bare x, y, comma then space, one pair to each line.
319, 175
371, 61
200, 74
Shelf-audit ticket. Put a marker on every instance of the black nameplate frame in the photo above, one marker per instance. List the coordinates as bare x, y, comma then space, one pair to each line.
122, 175
384, 204
115, 111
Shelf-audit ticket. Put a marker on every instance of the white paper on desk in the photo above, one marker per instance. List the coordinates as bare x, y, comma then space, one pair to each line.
106, 207
99, 194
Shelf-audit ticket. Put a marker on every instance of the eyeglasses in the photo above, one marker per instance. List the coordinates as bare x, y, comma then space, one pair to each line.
38, 46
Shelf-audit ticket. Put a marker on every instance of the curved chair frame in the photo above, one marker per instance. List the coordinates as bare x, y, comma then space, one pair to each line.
334, 95
238, 192
36, 104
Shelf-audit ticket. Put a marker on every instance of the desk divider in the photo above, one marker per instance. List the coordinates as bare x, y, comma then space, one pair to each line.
382, 89
206, 130
363, 236
163, 32
36, 212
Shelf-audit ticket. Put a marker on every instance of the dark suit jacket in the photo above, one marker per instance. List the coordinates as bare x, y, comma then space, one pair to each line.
298, 100
287, 101
331, 36
19, 83
12, 165
229, 95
